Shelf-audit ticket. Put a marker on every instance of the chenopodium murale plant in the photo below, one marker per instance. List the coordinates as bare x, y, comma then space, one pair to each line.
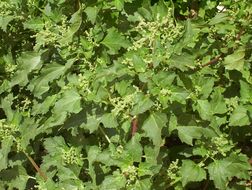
123, 105
173, 172
7, 130
162, 29
217, 146
79, 82
131, 174
52, 33
10, 132
6, 8
232, 103
221, 145
72, 155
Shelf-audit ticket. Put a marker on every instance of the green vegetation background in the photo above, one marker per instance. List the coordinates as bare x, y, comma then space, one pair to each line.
125, 94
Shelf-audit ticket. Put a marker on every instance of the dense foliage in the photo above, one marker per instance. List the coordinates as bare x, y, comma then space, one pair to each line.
125, 94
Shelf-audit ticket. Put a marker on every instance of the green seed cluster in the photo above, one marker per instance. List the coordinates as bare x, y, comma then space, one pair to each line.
131, 174
6, 8
122, 106
231, 103
83, 84
7, 130
162, 28
52, 33
221, 145
72, 156
172, 171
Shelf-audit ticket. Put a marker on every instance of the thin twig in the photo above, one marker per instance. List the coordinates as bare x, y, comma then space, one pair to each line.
36, 167
213, 61
216, 59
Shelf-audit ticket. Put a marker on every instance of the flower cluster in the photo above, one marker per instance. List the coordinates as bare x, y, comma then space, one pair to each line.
123, 105
173, 171
163, 29
6, 8
131, 174
221, 145
72, 156
7, 130
52, 33
231, 103
83, 84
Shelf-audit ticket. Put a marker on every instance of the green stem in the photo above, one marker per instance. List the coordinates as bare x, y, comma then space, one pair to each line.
173, 11
106, 136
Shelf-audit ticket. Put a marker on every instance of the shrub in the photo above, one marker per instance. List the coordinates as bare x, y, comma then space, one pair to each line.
125, 94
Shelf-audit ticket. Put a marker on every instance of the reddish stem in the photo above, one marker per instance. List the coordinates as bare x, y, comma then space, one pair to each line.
213, 61
134, 126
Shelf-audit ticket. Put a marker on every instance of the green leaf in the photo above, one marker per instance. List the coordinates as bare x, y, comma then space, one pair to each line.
70, 102
40, 85
219, 18
93, 152
183, 62
218, 173
57, 119
235, 61
75, 21
191, 172
160, 9
206, 84
139, 65
28, 130
109, 120
42, 108
143, 104
4, 21
27, 62
6, 145
143, 184
189, 37
92, 13
54, 145
35, 24
204, 109
134, 148
221, 171
163, 78
114, 182
6, 103
245, 91
178, 94
153, 126
188, 133
119, 4
239, 117
173, 123
92, 123
115, 41
218, 105
21, 180
122, 87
